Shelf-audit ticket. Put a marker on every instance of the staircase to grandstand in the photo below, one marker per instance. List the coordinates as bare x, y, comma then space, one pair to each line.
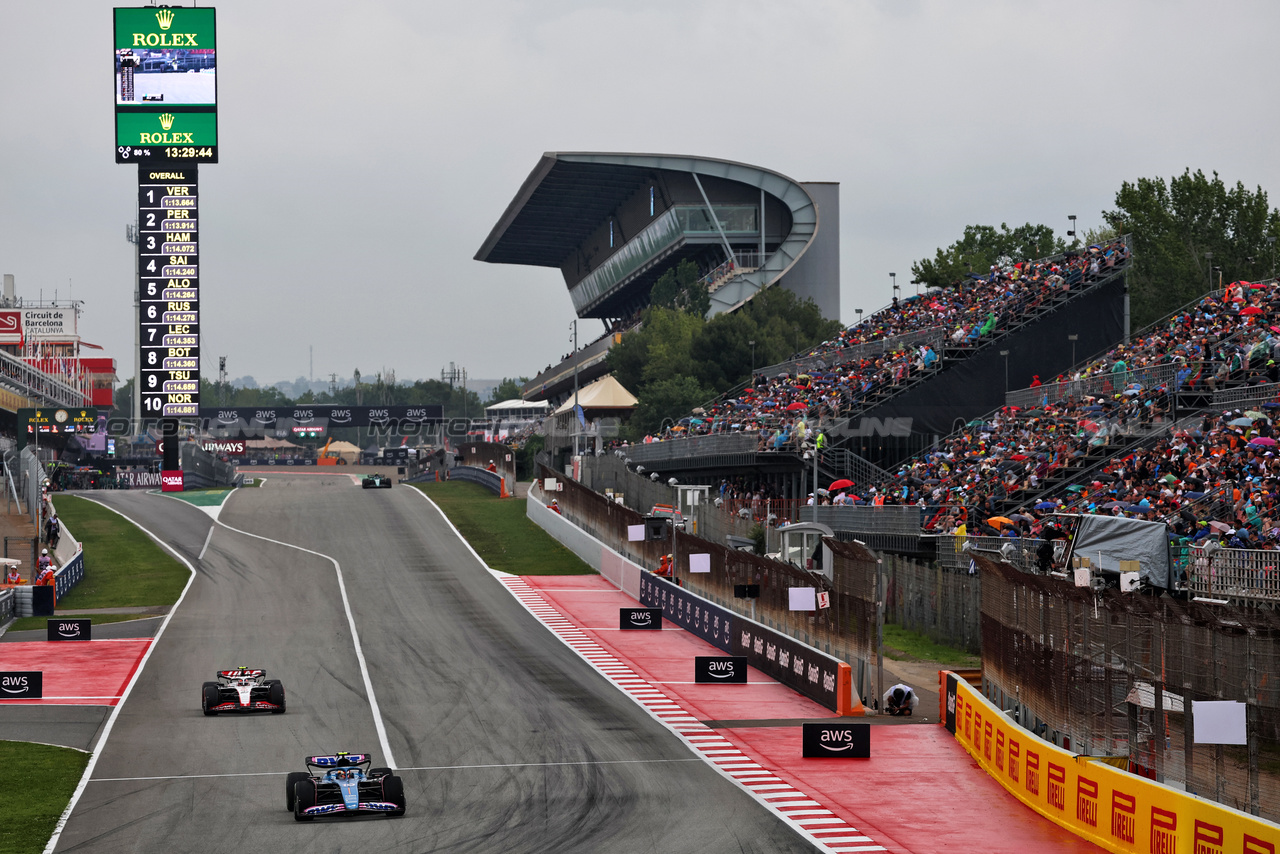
36, 387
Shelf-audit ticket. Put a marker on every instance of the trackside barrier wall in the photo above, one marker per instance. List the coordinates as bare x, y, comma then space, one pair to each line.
1119, 811
489, 480
623, 572
820, 677
8, 605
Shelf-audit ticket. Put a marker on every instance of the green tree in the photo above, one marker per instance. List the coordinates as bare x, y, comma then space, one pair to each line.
671, 397
508, 389
980, 247
1185, 228
679, 288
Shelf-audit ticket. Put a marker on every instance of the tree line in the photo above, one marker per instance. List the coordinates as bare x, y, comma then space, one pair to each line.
1190, 234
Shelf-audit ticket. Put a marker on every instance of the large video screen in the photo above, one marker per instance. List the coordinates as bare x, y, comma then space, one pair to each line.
166, 85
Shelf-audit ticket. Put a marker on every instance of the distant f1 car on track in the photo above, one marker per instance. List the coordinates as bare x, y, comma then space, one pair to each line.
375, 481
343, 784
244, 689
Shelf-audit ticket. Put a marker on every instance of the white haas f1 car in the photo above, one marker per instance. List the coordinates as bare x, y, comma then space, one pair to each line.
244, 689
343, 784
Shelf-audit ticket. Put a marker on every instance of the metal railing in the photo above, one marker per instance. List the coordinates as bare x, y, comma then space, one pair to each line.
693, 446
1251, 396
934, 336
26, 380
1242, 576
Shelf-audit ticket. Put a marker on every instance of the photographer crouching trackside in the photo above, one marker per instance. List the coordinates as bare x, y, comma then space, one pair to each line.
900, 700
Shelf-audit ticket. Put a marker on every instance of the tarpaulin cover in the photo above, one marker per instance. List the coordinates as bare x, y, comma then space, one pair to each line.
1107, 540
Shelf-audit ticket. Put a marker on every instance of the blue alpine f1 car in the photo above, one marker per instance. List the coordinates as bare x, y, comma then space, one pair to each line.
343, 784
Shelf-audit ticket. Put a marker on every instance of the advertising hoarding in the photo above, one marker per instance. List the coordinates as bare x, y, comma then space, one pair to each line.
23, 325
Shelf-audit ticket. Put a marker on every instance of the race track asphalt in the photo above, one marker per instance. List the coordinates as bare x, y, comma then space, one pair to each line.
507, 741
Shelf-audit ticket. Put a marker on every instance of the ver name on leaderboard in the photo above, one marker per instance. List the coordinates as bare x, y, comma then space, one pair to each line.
169, 283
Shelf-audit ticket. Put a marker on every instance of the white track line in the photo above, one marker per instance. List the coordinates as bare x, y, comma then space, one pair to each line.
355, 638
686, 727
115, 710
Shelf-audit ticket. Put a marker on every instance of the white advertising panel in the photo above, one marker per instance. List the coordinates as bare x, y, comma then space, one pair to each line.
29, 325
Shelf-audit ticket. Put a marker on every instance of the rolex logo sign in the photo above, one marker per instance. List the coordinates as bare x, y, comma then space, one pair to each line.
167, 138
164, 18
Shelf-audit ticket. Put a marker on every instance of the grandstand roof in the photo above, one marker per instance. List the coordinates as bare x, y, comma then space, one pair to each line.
568, 195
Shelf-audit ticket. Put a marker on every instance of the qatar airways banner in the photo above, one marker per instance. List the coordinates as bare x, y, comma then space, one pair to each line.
171, 481
22, 325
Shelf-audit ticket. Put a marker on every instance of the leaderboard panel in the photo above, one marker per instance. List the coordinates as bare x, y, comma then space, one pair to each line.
169, 290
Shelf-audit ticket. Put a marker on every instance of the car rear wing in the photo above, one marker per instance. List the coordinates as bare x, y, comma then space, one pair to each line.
339, 760
239, 672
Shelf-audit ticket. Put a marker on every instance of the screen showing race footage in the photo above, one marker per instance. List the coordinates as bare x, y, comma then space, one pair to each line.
166, 85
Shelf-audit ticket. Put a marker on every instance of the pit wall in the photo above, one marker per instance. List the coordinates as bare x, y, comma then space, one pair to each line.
1114, 809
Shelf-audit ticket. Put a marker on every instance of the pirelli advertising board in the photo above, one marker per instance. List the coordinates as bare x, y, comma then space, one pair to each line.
166, 85
1108, 806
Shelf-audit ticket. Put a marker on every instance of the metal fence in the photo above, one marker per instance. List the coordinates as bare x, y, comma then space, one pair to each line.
845, 630
944, 606
935, 337
693, 446
1246, 397
1106, 673
1240, 576
1102, 385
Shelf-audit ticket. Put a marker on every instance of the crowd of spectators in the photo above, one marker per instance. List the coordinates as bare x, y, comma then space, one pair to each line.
976, 307
1216, 478
781, 408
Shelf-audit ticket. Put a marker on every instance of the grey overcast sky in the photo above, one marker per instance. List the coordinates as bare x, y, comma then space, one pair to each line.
368, 147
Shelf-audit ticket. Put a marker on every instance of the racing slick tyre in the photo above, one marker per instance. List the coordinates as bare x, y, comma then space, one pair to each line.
210, 696
364, 484
294, 778
393, 791
304, 797
275, 694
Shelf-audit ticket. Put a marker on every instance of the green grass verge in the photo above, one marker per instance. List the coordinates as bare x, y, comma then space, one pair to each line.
123, 567
912, 646
500, 532
203, 497
35, 795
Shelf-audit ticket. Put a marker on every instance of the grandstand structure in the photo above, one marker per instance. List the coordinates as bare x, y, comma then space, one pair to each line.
906, 377
612, 223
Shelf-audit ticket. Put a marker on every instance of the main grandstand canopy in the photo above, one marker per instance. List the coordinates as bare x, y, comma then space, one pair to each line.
613, 222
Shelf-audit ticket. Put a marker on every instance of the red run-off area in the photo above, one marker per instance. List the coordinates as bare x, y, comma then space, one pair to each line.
77, 673
919, 792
